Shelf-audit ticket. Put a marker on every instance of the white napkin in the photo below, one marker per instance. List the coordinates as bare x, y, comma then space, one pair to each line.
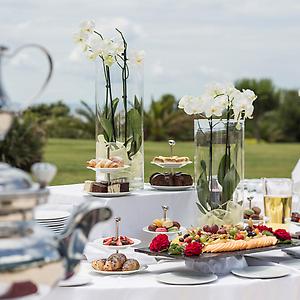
91, 252
296, 178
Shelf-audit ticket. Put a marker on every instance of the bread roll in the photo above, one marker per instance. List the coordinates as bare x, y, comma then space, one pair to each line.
131, 265
99, 264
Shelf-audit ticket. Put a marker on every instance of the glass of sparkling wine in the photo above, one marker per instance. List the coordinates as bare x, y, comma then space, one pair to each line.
278, 199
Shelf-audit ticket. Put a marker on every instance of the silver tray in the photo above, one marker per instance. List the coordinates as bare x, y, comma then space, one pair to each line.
203, 256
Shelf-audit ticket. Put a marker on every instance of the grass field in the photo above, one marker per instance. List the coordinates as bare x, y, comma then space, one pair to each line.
262, 160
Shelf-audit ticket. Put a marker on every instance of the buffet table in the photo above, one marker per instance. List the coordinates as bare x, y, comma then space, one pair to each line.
145, 286
138, 210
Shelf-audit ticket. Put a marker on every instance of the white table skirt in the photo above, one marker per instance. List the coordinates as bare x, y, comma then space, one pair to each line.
136, 210
145, 286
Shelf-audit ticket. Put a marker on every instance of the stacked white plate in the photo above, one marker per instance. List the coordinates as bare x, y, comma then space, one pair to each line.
55, 220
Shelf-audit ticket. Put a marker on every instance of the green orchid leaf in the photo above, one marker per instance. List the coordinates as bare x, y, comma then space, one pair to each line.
203, 188
230, 182
107, 127
224, 167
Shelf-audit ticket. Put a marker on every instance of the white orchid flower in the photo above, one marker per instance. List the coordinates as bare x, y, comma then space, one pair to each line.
117, 46
91, 55
214, 90
87, 27
137, 57
109, 60
249, 95
223, 101
80, 37
213, 109
185, 101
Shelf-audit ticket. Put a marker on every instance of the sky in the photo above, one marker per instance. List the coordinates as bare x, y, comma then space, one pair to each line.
188, 44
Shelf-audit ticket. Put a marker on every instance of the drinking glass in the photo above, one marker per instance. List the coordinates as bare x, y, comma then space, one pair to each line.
278, 199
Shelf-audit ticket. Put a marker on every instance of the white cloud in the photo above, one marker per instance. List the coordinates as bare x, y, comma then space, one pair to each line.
188, 43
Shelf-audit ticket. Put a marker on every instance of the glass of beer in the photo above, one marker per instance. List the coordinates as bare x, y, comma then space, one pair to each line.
278, 199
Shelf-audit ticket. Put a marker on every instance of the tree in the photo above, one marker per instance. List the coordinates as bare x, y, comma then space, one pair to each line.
267, 100
289, 114
89, 116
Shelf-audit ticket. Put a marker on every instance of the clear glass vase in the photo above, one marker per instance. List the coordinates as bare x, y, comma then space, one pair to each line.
219, 170
119, 121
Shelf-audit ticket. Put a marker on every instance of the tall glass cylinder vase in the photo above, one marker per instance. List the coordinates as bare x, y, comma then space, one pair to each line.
219, 170
119, 120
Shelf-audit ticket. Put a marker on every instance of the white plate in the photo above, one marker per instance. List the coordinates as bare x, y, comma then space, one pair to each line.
171, 188
109, 170
99, 244
182, 229
52, 224
109, 194
75, 280
51, 215
295, 223
254, 221
171, 165
186, 278
55, 227
262, 272
142, 268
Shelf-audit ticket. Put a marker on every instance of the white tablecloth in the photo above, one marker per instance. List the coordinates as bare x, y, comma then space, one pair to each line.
138, 210
145, 286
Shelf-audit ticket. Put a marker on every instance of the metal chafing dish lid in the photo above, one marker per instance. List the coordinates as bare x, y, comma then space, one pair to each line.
13, 179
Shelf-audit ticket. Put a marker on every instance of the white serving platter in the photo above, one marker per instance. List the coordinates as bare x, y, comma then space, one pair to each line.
186, 278
261, 272
98, 243
109, 194
171, 165
142, 268
109, 170
172, 188
182, 229
51, 215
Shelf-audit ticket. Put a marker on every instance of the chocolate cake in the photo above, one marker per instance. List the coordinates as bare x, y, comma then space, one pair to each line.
116, 186
169, 179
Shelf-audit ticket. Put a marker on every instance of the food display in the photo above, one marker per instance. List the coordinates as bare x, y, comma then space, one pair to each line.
161, 225
295, 217
112, 162
118, 241
116, 262
171, 179
170, 159
119, 185
253, 213
214, 239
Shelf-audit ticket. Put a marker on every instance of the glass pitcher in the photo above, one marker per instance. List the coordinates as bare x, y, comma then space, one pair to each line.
8, 107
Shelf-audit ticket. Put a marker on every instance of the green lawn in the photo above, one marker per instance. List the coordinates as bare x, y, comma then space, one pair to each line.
262, 160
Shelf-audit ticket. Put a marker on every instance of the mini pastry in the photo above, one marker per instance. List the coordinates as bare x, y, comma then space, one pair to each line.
119, 256
91, 163
98, 264
109, 266
131, 265
118, 160
106, 163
